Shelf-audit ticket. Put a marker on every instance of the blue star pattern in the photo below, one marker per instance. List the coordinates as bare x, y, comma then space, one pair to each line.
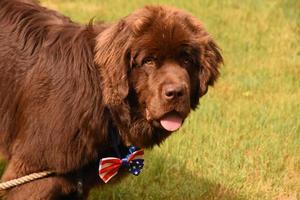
134, 166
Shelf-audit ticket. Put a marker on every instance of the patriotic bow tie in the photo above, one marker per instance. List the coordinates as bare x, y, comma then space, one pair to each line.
110, 166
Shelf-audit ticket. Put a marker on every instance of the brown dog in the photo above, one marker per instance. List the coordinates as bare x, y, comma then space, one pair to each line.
66, 88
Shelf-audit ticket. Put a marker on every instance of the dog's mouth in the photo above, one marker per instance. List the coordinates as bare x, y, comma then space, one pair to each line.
170, 121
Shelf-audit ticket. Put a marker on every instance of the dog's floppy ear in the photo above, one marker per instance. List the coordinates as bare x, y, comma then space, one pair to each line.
113, 54
210, 60
112, 58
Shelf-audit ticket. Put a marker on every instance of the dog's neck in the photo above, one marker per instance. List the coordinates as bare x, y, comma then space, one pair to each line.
119, 149
115, 140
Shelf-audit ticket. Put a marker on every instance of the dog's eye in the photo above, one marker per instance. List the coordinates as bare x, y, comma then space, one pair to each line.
187, 60
149, 60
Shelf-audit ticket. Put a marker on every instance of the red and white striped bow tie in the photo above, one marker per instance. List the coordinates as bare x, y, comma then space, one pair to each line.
110, 166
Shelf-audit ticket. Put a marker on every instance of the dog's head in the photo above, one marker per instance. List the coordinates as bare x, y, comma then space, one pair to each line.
155, 65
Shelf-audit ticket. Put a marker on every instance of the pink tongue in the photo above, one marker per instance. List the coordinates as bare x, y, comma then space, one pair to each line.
171, 122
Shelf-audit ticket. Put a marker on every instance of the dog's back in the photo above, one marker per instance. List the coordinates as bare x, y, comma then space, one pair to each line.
22, 28
24, 31
50, 97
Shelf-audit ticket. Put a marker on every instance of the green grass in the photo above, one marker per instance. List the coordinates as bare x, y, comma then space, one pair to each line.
243, 142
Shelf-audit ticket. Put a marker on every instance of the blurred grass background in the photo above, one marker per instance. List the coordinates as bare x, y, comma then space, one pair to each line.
243, 142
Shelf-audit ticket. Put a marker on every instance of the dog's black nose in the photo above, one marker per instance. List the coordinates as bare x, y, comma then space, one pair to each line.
172, 91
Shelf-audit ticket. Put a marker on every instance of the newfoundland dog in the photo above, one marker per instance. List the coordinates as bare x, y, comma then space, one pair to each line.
73, 94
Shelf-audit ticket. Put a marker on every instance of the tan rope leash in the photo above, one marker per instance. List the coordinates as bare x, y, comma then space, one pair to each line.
24, 179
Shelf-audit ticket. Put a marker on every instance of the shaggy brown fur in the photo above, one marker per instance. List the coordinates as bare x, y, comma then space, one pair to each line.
64, 86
